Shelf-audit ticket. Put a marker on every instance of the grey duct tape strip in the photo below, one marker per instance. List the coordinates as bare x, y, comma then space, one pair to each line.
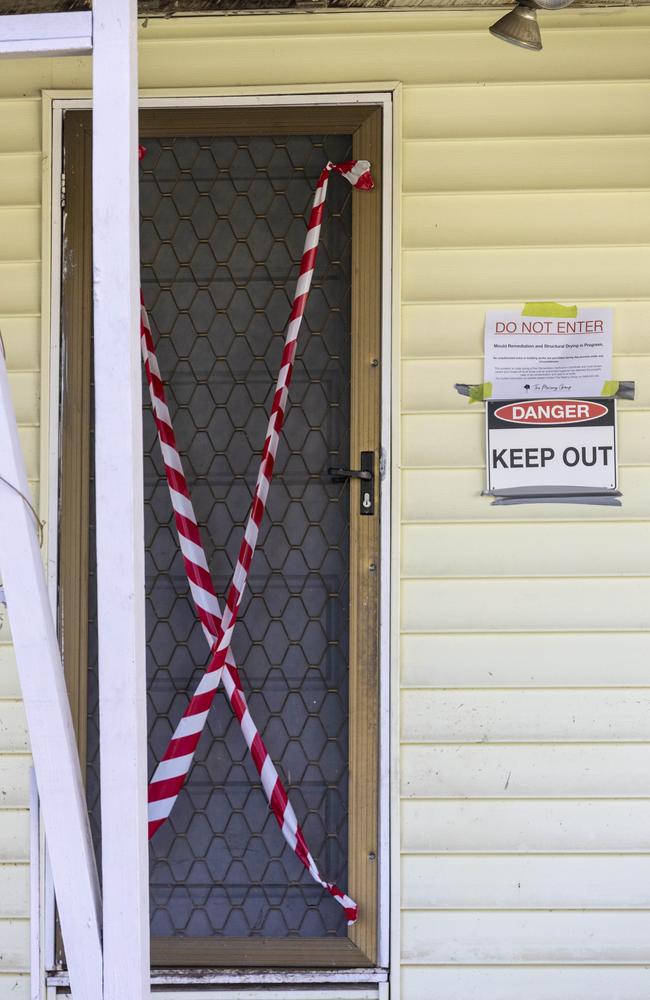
604, 501
625, 390
601, 498
474, 392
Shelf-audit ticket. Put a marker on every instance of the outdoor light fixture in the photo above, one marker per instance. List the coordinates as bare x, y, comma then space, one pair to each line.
519, 26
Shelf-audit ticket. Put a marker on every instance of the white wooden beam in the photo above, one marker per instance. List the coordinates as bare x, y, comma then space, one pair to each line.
54, 750
66, 34
120, 506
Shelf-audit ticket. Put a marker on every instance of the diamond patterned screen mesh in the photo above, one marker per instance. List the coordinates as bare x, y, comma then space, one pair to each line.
223, 227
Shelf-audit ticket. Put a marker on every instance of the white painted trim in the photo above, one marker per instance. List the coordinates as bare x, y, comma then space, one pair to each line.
51, 241
266, 100
119, 502
395, 762
37, 982
358, 993
49, 916
386, 581
251, 979
383, 95
66, 34
324, 95
49, 721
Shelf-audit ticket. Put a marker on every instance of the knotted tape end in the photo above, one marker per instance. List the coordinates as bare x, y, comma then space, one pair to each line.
350, 908
357, 172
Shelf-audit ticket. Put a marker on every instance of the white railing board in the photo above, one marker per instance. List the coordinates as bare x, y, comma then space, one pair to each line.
47, 709
64, 34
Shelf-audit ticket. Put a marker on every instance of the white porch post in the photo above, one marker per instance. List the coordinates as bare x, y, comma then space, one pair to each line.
53, 746
119, 498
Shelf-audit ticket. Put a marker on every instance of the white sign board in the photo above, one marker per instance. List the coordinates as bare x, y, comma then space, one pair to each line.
548, 355
551, 443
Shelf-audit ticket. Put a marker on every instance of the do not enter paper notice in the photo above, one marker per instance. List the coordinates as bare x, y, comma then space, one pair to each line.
533, 356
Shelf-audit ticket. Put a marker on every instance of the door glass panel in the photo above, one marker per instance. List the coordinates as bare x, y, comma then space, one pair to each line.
222, 232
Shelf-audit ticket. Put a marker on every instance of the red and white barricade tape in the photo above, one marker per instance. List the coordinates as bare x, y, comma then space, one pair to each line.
170, 774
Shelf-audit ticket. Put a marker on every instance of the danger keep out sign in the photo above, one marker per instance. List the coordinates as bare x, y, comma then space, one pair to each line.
551, 443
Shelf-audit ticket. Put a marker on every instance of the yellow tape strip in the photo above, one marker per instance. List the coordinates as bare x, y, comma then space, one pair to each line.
477, 393
609, 388
549, 309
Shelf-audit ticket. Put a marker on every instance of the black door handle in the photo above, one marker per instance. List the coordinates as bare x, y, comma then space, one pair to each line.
339, 475
367, 476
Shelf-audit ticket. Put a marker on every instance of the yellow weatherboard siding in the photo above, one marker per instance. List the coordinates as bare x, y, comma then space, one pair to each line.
20, 294
524, 648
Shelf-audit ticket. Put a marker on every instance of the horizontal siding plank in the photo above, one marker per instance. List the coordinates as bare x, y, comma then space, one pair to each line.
13, 727
475, 716
9, 684
14, 842
428, 383
20, 233
586, 770
20, 125
488, 219
529, 825
20, 286
14, 987
560, 982
22, 340
14, 891
604, 107
20, 173
415, 56
30, 442
541, 273
26, 395
14, 779
431, 440
27, 78
455, 329
616, 549
14, 945
526, 164
514, 881
525, 936
599, 659
455, 495
525, 605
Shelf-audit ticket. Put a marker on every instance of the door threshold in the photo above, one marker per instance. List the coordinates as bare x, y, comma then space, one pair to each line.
249, 977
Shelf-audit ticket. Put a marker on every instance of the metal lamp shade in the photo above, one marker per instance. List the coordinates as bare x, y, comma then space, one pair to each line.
519, 27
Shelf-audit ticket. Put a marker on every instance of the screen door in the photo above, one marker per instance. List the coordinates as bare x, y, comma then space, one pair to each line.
223, 216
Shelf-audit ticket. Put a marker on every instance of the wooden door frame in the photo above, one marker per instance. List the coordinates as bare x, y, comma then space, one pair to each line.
364, 122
